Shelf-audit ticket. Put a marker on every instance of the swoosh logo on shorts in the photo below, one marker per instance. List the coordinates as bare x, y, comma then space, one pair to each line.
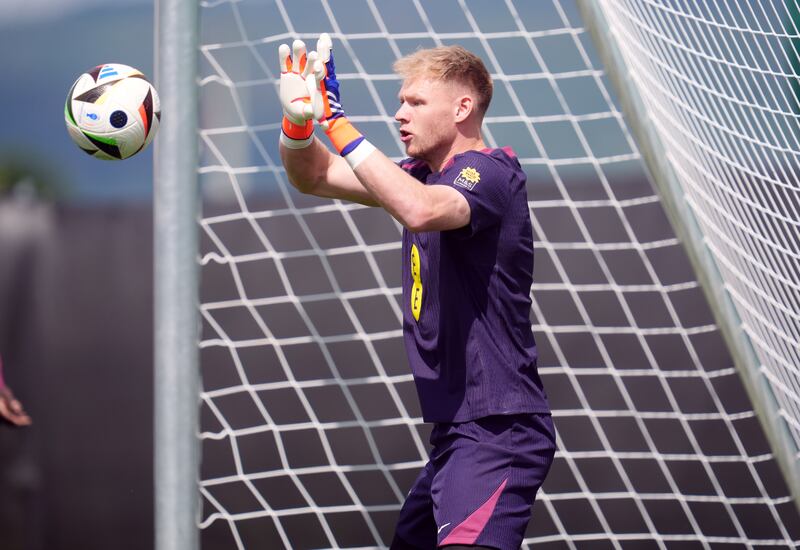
442, 527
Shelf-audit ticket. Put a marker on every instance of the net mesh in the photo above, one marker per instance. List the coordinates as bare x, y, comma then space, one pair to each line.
311, 429
720, 83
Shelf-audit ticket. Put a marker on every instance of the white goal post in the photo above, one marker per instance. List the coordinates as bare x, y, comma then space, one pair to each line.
175, 212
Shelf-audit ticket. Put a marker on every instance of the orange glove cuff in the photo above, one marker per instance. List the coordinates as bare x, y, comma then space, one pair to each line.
295, 131
342, 133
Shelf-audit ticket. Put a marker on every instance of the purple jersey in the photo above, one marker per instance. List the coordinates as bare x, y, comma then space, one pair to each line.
466, 296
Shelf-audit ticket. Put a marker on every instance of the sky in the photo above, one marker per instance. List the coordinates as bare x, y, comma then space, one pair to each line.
13, 11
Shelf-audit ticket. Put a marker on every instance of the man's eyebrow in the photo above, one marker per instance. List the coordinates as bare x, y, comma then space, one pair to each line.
407, 95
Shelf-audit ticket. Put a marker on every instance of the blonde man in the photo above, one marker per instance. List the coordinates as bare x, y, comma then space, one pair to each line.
467, 273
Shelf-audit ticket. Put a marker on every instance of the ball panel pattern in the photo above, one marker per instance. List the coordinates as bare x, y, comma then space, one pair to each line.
112, 112
118, 119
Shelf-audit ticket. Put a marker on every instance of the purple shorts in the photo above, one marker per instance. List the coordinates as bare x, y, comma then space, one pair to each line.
479, 484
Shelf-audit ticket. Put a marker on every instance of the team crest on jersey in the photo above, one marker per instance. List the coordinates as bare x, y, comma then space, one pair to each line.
468, 178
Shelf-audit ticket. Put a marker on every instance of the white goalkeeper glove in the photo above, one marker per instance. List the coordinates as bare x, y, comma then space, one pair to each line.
343, 135
300, 95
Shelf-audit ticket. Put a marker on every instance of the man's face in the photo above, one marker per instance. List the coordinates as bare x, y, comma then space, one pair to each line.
427, 117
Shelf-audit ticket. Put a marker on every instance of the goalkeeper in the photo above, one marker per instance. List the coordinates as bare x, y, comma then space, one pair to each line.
467, 259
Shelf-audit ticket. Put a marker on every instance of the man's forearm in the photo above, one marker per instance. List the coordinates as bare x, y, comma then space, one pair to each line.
307, 167
398, 193
416, 206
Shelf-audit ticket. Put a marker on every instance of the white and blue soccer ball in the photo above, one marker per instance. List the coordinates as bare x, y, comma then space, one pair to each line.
112, 112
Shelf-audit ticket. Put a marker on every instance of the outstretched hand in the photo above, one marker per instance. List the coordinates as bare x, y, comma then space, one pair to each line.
301, 74
11, 409
309, 90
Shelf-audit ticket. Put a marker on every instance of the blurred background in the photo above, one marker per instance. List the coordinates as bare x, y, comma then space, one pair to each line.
75, 288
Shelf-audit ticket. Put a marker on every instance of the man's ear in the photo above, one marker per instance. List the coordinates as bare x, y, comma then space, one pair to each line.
464, 107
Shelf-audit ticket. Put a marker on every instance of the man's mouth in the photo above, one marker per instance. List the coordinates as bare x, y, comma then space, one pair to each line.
405, 136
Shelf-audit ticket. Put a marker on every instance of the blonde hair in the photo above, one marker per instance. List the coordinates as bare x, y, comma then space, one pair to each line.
449, 64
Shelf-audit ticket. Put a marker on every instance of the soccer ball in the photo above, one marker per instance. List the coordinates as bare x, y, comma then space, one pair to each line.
112, 112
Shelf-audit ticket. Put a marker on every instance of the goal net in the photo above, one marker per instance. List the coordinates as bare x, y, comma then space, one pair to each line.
310, 426
719, 85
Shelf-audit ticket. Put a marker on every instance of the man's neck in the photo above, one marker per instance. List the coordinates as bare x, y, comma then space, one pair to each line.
459, 146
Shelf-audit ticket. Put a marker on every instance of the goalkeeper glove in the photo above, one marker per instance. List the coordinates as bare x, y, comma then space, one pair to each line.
345, 138
299, 94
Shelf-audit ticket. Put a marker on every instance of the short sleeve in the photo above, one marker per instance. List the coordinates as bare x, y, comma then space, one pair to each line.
414, 168
486, 184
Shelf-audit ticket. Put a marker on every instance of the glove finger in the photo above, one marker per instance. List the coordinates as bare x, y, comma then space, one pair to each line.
324, 46
317, 106
313, 95
319, 77
310, 62
319, 71
284, 59
299, 55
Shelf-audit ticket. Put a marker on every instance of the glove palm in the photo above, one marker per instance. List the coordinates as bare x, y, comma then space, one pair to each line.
300, 92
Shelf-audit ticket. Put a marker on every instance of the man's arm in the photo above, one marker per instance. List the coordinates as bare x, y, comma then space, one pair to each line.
417, 206
377, 181
361, 173
316, 171
310, 167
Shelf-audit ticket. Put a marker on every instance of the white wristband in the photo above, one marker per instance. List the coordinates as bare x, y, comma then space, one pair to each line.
296, 143
359, 154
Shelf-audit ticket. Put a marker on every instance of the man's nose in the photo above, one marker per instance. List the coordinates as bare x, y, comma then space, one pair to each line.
400, 115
